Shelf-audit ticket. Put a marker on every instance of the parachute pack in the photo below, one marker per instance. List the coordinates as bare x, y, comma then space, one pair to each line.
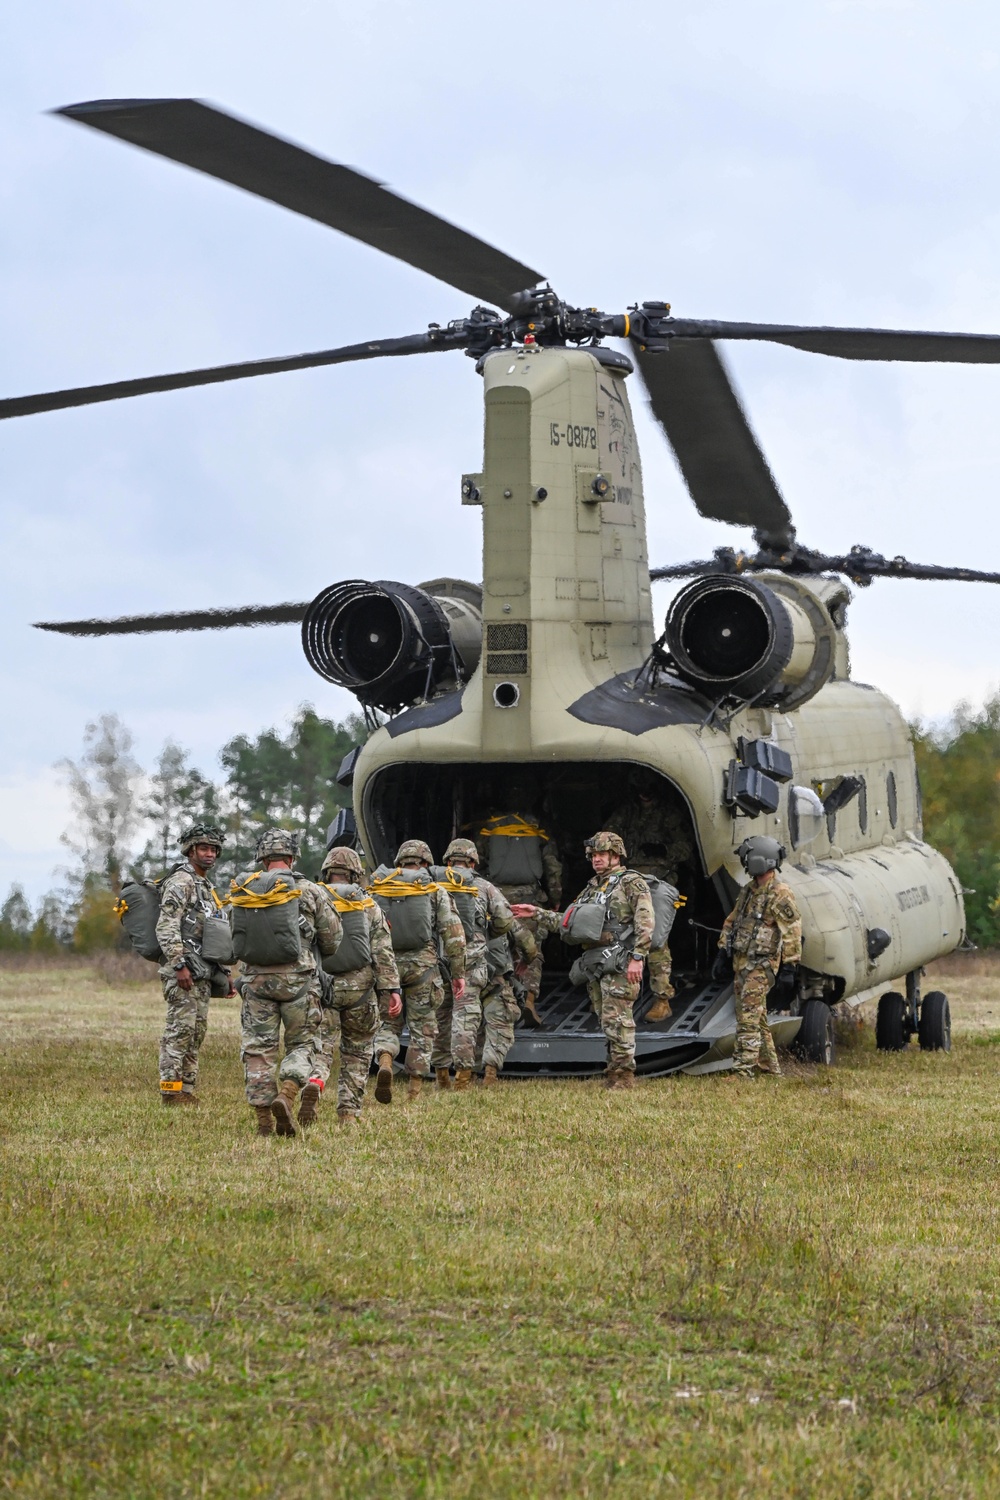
265, 907
461, 887
355, 951
405, 898
514, 851
138, 910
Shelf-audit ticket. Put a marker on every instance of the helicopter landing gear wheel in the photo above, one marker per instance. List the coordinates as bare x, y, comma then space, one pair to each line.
891, 1034
815, 1040
935, 1023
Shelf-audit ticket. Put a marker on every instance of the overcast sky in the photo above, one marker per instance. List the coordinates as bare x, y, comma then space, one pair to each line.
819, 162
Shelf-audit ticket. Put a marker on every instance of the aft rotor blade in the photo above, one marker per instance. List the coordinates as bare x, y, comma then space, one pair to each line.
192, 619
694, 401
855, 343
116, 390
860, 568
199, 135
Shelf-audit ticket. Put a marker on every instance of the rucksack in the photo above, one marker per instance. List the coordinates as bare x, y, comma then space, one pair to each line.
405, 898
266, 917
666, 900
138, 910
355, 951
461, 887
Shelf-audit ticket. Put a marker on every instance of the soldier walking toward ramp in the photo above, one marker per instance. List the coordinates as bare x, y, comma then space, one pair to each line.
420, 915
520, 859
187, 899
762, 932
364, 979
281, 921
616, 909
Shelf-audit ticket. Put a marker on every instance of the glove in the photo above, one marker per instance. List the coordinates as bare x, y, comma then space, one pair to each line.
722, 968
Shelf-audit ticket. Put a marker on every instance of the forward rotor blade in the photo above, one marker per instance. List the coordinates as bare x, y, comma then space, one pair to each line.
192, 619
116, 390
694, 401
855, 343
199, 135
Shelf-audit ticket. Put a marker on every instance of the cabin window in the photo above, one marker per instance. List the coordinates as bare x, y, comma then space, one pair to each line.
805, 815
863, 805
890, 797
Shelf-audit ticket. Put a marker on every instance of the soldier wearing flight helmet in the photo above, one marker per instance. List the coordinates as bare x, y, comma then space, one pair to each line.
762, 932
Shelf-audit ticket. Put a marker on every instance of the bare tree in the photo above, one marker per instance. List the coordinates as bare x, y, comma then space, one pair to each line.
105, 786
178, 795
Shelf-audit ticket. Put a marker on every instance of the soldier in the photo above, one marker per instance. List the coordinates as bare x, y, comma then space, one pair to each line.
359, 997
614, 981
762, 932
415, 937
487, 990
518, 856
188, 896
283, 994
658, 835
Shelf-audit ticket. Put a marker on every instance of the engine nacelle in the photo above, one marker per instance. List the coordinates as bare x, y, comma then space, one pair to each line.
772, 643
393, 644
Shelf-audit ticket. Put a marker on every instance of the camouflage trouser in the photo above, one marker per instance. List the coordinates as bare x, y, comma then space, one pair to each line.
659, 973
270, 1001
613, 998
534, 896
458, 1021
422, 997
754, 1042
184, 1031
349, 1025
500, 1013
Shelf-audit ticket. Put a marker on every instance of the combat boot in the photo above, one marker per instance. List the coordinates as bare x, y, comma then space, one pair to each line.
283, 1106
188, 1096
383, 1083
531, 1015
308, 1100
443, 1076
413, 1086
490, 1079
624, 1079
265, 1119
347, 1117
463, 1079
659, 1010
611, 1078
170, 1094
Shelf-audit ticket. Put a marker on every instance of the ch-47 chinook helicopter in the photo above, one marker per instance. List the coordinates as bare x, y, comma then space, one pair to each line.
553, 672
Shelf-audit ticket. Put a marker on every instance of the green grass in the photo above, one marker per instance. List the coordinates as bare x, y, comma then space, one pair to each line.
700, 1288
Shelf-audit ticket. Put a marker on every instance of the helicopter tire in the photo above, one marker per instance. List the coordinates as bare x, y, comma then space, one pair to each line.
891, 1033
815, 1039
935, 1023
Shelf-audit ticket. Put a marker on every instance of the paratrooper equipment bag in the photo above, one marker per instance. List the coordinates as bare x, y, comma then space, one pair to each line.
355, 952
217, 937
461, 887
598, 962
666, 899
219, 984
513, 851
266, 918
499, 959
138, 910
405, 898
583, 922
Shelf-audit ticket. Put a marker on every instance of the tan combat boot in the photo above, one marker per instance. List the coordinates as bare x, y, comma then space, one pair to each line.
611, 1078
463, 1078
265, 1119
531, 1010
188, 1096
443, 1076
490, 1077
383, 1083
659, 1010
308, 1100
170, 1094
625, 1079
283, 1106
346, 1117
413, 1086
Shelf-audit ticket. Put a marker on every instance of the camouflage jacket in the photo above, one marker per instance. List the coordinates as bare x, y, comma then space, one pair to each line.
319, 926
185, 900
657, 837
628, 906
550, 887
764, 926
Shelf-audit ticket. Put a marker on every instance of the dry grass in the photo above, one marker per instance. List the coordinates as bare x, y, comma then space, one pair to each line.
700, 1288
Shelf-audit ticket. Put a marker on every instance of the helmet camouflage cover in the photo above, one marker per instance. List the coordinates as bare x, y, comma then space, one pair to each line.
277, 843
200, 833
758, 854
412, 851
342, 858
605, 843
462, 849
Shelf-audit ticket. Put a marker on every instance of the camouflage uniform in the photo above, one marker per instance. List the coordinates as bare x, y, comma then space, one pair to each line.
288, 995
353, 1013
546, 891
185, 901
500, 1007
423, 988
628, 907
657, 836
763, 931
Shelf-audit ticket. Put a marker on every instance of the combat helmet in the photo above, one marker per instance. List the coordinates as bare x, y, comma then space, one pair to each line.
461, 849
605, 843
342, 858
413, 852
758, 854
276, 843
200, 833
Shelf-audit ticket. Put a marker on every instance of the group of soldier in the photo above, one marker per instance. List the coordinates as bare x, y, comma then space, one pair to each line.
448, 971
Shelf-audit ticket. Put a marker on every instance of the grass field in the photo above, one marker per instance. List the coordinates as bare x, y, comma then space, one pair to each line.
699, 1288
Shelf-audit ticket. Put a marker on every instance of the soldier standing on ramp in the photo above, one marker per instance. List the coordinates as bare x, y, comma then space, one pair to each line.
762, 932
280, 920
187, 898
523, 862
617, 900
364, 979
420, 915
